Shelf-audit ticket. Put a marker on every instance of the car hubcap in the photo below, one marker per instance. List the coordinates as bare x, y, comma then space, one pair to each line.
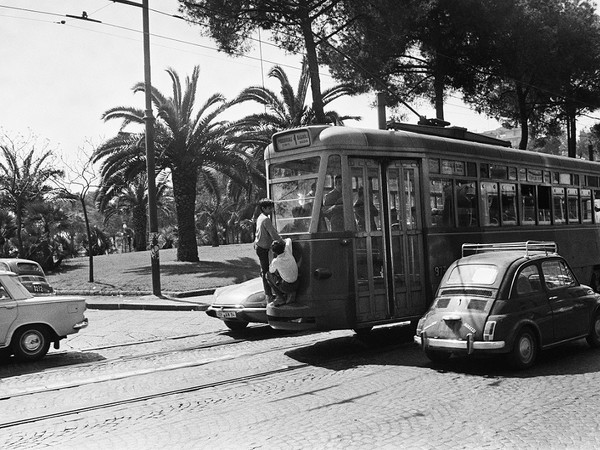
525, 349
31, 342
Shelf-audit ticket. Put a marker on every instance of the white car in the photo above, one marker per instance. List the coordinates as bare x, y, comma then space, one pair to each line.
29, 324
239, 304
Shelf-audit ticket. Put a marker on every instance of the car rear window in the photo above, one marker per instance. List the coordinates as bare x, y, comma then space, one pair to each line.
29, 268
470, 274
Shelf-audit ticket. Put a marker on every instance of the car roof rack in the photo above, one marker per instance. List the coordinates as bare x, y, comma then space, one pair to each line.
527, 247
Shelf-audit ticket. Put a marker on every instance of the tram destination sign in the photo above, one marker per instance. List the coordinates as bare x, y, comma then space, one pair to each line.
292, 140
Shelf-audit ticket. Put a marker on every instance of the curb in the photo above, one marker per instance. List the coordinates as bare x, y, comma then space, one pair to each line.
173, 295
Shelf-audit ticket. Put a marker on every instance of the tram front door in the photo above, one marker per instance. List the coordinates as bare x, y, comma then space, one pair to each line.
388, 239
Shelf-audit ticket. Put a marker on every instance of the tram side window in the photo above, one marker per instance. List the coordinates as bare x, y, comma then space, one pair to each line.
544, 205
490, 204
586, 206
509, 203
572, 205
559, 205
597, 206
441, 201
466, 200
527, 204
333, 204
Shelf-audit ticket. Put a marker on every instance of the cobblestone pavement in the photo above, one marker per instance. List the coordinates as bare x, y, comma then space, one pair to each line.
274, 390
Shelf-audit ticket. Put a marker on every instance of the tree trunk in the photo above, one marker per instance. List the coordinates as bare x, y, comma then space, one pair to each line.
89, 236
139, 228
438, 85
184, 191
523, 117
571, 133
313, 69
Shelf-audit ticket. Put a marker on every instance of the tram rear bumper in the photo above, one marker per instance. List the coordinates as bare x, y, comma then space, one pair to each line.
456, 344
291, 317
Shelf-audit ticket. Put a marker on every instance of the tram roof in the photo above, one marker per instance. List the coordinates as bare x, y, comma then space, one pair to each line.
421, 138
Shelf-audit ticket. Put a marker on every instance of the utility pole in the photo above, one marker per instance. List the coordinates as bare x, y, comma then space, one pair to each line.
150, 166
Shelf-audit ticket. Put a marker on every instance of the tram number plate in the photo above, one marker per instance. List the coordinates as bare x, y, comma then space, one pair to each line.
226, 314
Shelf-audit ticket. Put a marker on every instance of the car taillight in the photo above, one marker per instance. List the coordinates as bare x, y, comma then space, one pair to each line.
488, 331
420, 326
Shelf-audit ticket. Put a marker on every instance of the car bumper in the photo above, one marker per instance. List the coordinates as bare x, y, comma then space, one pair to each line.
458, 345
238, 314
81, 325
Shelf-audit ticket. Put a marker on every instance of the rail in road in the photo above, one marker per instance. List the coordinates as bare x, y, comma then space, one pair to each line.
150, 375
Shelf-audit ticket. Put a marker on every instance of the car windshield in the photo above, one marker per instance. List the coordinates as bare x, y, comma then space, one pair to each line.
473, 274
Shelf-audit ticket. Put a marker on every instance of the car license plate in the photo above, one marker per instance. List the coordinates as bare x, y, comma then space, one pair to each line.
226, 314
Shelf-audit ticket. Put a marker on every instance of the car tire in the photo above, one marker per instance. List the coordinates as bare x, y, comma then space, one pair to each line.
593, 339
30, 343
437, 356
525, 350
235, 324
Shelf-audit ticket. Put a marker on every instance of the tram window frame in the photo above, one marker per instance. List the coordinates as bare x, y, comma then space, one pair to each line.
490, 209
528, 212
508, 204
596, 202
443, 217
587, 208
466, 203
544, 205
573, 201
559, 206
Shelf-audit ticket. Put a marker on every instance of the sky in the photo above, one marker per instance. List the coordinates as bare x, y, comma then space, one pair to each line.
59, 74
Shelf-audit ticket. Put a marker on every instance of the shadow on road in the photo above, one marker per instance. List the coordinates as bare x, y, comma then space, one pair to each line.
394, 347
11, 367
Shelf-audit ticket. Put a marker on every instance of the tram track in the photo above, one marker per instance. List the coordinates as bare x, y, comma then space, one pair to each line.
66, 411
143, 398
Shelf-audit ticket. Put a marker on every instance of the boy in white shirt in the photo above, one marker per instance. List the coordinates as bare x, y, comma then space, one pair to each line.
283, 271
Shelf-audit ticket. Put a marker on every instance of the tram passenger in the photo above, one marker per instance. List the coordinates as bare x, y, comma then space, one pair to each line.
333, 207
283, 272
265, 235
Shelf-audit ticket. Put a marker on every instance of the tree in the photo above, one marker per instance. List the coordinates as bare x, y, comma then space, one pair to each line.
296, 25
25, 171
185, 142
118, 196
81, 180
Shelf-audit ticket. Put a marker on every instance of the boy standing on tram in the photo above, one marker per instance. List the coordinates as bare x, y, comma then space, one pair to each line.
265, 235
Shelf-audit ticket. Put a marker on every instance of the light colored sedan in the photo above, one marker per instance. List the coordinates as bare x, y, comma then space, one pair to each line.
29, 324
239, 304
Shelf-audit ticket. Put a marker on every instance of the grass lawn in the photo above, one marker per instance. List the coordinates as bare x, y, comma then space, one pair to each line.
132, 272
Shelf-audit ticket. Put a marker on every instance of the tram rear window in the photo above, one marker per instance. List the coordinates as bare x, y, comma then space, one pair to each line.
295, 168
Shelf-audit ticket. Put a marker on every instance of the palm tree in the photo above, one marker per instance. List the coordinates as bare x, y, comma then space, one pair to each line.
185, 142
288, 110
23, 181
118, 196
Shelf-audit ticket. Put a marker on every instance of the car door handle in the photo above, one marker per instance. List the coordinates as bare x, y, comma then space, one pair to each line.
554, 297
8, 306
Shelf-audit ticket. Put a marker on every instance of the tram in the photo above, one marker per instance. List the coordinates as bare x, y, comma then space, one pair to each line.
376, 216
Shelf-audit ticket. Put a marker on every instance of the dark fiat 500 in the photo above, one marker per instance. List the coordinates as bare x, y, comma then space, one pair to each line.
512, 298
